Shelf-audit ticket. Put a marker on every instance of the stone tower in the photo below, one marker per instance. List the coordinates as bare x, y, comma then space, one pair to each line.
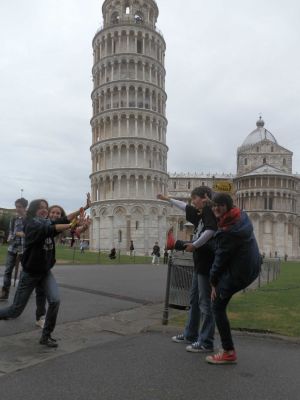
129, 152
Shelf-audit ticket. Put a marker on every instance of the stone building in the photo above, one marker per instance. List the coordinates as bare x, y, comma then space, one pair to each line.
269, 191
129, 152
264, 186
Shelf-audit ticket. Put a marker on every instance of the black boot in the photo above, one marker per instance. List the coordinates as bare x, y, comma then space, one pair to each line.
4, 294
48, 341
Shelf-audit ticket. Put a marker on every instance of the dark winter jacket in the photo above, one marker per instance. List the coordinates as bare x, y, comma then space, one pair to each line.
39, 253
237, 260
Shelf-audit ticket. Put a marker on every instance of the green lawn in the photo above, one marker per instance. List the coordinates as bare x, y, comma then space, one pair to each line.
66, 255
272, 308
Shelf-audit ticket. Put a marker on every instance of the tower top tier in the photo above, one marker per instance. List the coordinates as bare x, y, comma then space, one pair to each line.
142, 12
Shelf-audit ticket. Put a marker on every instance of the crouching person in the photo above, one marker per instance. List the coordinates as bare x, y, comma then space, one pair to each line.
236, 265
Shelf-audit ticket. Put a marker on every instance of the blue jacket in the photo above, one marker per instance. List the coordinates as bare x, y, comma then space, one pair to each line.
237, 259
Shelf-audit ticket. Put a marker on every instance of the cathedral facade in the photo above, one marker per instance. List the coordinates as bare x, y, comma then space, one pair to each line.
129, 151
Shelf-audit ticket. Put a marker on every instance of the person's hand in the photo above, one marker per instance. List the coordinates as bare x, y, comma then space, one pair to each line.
208, 201
189, 248
88, 202
213, 294
162, 197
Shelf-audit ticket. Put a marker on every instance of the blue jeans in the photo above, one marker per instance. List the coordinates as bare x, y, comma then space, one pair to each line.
40, 298
27, 284
9, 267
200, 314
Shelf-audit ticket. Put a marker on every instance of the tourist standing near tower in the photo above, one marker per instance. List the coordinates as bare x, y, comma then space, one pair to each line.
200, 327
15, 245
129, 152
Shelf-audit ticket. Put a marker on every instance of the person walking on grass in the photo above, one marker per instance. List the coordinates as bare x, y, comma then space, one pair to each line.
15, 245
156, 254
200, 326
236, 265
37, 261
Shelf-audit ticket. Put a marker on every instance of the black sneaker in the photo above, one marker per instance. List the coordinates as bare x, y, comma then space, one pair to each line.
181, 339
48, 341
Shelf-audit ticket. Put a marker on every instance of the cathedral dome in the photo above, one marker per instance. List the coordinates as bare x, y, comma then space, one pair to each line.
259, 134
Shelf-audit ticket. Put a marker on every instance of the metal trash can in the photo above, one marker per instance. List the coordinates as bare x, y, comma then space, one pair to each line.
179, 282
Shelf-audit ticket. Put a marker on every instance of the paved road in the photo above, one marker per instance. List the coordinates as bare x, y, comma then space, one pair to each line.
150, 367
103, 354
90, 290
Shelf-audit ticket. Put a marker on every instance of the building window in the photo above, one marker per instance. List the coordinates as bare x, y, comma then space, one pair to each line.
136, 225
203, 183
181, 226
264, 161
189, 185
245, 161
270, 203
265, 203
127, 10
174, 185
290, 228
257, 149
139, 46
272, 149
284, 162
120, 236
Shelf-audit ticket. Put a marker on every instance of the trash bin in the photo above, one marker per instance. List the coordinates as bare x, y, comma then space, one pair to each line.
179, 281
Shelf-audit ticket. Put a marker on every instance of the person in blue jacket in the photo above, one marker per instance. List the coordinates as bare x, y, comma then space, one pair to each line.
236, 265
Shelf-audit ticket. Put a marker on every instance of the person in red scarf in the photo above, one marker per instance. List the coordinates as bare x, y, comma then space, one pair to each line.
236, 265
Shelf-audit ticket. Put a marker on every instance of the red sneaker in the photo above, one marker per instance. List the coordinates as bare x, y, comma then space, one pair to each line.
223, 357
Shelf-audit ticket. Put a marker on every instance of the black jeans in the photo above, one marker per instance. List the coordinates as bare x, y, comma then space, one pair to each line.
219, 309
27, 284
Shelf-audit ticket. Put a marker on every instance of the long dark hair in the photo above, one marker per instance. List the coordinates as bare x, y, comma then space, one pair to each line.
33, 207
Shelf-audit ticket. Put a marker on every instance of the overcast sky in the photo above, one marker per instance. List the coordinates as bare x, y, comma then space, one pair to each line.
226, 61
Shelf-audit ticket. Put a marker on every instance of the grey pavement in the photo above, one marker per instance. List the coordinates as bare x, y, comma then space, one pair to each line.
151, 367
92, 290
112, 346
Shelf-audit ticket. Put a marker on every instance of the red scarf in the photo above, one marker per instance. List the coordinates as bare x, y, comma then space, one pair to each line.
230, 218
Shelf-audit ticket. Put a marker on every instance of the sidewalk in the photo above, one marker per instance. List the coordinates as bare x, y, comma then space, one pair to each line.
150, 367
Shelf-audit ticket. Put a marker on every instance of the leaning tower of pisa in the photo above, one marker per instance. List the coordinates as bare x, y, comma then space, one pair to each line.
129, 152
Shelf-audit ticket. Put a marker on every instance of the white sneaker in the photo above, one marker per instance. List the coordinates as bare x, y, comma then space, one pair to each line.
40, 322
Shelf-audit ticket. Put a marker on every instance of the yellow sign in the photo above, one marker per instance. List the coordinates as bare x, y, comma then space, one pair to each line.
223, 186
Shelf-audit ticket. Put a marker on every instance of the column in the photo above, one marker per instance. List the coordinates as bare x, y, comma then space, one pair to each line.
128, 188
119, 186
136, 186
136, 126
127, 122
105, 46
119, 125
128, 43
127, 95
136, 156
136, 69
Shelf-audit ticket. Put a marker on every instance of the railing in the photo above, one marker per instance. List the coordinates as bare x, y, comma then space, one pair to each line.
130, 22
179, 280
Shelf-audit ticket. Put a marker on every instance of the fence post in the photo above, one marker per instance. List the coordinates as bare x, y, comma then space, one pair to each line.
165, 319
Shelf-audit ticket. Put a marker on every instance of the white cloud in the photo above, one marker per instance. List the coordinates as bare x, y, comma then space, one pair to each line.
226, 62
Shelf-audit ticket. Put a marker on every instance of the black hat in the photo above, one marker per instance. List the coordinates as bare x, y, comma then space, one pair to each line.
223, 199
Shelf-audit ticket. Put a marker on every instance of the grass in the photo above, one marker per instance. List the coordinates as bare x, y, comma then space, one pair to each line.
273, 308
67, 255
